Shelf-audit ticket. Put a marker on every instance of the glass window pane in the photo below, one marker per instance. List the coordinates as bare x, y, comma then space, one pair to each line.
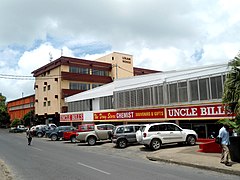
204, 88
193, 90
182, 91
173, 93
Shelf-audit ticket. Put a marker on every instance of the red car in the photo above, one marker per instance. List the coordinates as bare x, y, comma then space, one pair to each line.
71, 135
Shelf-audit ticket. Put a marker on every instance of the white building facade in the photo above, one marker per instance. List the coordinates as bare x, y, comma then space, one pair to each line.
189, 97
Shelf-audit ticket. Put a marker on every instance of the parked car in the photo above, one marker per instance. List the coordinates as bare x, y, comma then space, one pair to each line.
42, 130
100, 132
57, 133
22, 127
156, 134
15, 130
71, 135
123, 135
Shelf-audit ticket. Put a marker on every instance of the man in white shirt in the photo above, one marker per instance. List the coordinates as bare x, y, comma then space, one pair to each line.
224, 135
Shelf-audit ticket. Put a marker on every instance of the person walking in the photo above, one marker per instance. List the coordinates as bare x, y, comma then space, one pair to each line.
29, 136
224, 135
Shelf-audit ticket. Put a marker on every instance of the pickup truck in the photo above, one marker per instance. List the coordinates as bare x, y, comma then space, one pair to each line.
100, 132
71, 135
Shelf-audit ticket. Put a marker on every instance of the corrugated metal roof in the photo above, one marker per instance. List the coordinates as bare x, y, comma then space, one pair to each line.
149, 80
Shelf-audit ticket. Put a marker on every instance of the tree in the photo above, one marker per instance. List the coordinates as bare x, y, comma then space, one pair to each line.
231, 94
28, 118
4, 116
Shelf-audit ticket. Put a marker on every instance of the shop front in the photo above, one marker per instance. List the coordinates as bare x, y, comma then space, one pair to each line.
201, 118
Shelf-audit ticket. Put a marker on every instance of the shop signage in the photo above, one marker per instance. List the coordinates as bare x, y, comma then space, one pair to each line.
214, 110
131, 114
71, 117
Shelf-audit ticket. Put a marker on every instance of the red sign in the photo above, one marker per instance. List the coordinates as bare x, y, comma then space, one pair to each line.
214, 110
71, 117
131, 114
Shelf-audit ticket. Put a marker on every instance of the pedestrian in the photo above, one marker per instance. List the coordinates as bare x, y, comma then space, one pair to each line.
224, 135
29, 136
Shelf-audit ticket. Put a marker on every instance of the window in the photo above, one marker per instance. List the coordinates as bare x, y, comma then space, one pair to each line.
120, 130
44, 104
139, 97
49, 103
96, 85
100, 72
128, 129
173, 93
79, 70
182, 91
49, 87
193, 88
216, 87
171, 127
44, 88
147, 96
204, 89
79, 86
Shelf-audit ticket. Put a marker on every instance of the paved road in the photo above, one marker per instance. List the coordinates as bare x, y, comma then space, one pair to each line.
58, 160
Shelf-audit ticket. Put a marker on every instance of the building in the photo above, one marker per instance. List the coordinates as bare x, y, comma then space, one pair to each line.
67, 76
188, 97
19, 107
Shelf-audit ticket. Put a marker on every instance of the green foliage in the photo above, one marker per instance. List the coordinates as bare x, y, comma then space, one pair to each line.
28, 118
4, 116
16, 122
231, 94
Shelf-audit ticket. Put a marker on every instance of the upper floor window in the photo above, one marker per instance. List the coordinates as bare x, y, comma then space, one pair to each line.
48, 87
100, 72
79, 70
79, 86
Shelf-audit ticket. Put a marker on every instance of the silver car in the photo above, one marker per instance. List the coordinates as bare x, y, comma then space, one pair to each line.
100, 132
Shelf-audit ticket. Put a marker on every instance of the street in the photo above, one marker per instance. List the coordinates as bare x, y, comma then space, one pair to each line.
62, 160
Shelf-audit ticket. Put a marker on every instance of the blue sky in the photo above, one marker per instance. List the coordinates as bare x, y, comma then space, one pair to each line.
160, 34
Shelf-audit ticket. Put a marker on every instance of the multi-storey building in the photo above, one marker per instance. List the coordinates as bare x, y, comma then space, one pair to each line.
67, 76
19, 107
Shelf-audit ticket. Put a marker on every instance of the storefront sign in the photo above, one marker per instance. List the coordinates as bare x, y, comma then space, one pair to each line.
132, 114
215, 110
71, 117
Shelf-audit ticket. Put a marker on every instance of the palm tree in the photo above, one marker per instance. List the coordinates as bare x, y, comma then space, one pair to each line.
231, 94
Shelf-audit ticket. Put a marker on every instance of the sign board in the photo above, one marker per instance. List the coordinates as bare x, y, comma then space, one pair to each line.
71, 117
131, 114
204, 111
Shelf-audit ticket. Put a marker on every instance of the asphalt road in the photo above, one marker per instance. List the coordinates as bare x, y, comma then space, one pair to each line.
58, 160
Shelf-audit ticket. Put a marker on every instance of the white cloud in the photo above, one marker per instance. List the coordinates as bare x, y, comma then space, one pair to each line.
160, 34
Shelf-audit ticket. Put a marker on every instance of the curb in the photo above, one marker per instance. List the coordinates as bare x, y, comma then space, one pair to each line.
232, 172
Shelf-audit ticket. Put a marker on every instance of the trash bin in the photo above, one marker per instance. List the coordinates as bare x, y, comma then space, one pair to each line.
234, 148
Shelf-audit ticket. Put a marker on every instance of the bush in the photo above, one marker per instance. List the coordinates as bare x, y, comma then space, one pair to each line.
16, 122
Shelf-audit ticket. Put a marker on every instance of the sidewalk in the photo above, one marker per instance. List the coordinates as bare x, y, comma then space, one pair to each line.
188, 156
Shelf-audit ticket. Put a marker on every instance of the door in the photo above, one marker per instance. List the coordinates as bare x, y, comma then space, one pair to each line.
175, 133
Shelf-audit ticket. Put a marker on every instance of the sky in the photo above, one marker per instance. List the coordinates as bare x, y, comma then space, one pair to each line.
160, 34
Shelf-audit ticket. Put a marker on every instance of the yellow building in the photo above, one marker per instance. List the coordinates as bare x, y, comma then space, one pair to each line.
67, 76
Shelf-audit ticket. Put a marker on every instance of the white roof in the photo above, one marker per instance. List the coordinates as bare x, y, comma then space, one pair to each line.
101, 91
148, 80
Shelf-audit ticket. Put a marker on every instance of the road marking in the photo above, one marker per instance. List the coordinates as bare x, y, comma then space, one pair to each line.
94, 168
37, 149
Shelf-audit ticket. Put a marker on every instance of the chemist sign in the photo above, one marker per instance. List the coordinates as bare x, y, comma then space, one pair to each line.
131, 114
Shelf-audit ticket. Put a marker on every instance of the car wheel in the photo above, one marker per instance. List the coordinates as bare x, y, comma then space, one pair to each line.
54, 137
91, 141
191, 140
155, 144
73, 139
39, 135
122, 143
